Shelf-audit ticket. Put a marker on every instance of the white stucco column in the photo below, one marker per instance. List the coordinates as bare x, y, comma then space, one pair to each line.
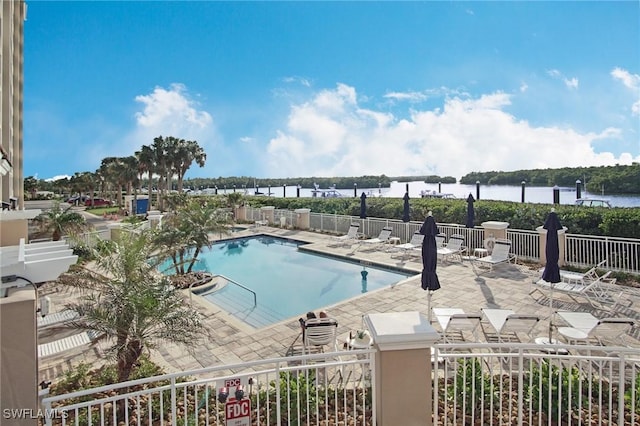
403, 387
495, 229
562, 240
303, 218
267, 213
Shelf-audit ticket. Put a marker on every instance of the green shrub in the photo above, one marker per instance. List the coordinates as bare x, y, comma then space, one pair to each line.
472, 389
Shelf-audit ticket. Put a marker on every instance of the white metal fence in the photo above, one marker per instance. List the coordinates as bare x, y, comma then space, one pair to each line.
473, 383
318, 389
622, 254
507, 384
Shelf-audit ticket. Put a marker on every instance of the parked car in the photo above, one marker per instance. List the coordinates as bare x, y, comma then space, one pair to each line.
97, 202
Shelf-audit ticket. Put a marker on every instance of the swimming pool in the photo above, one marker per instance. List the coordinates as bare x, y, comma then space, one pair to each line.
288, 282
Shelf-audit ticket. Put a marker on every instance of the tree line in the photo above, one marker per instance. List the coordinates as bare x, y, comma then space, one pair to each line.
610, 179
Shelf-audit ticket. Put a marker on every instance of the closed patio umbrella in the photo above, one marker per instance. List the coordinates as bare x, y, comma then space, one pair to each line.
471, 214
405, 208
363, 206
430, 281
551, 273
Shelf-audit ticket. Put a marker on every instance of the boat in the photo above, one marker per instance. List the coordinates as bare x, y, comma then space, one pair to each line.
434, 194
317, 192
593, 202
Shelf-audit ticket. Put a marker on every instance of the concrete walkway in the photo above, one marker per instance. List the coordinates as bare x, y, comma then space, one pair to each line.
231, 341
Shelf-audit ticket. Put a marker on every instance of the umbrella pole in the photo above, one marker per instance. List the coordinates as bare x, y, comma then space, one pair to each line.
429, 304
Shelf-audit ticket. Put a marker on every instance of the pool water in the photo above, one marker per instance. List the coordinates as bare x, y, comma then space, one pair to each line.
288, 282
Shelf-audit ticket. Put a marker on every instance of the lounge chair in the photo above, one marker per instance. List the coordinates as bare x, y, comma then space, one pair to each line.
382, 238
581, 278
507, 323
440, 240
584, 327
501, 254
320, 332
57, 318
350, 237
454, 321
415, 244
453, 248
66, 343
601, 291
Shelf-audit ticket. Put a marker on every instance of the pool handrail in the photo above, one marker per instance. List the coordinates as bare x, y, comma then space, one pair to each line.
255, 297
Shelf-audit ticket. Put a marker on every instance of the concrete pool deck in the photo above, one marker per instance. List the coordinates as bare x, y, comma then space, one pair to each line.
231, 341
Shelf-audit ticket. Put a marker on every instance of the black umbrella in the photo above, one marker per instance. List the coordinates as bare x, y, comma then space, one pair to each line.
551, 273
405, 208
363, 206
471, 214
430, 281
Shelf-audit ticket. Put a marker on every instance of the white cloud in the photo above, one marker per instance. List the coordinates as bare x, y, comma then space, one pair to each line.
571, 83
632, 82
170, 108
332, 135
300, 80
56, 178
406, 96
523, 87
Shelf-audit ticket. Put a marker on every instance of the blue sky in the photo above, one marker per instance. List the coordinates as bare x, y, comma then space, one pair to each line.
290, 89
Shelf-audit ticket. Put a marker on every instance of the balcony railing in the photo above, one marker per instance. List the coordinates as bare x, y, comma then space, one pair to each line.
473, 383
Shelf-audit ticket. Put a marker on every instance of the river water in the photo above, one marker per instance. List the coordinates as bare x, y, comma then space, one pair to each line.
533, 194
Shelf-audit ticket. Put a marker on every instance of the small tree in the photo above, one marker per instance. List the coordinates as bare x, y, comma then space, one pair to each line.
185, 232
129, 304
58, 221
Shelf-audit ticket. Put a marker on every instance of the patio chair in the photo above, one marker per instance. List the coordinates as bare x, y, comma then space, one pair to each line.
348, 238
573, 277
320, 332
408, 249
606, 329
64, 344
501, 254
599, 292
507, 324
373, 243
454, 321
440, 240
453, 248
57, 318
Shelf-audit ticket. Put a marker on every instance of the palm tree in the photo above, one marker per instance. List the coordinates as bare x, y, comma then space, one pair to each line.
187, 153
58, 221
129, 304
186, 231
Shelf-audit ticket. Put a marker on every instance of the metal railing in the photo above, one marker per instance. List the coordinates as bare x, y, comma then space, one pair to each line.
319, 389
622, 254
217, 287
517, 384
473, 383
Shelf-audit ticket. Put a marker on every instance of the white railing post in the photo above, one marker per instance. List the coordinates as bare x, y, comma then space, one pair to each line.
174, 405
403, 342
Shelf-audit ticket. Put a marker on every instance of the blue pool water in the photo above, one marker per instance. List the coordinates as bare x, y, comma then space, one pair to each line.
288, 282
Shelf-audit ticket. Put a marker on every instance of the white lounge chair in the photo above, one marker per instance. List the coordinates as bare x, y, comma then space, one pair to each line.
508, 324
453, 248
320, 332
415, 244
454, 321
57, 318
66, 343
573, 277
584, 327
440, 240
501, 254
382, 238
599, 292
349, 237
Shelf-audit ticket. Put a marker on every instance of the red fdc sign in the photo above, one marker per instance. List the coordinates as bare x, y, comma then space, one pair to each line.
232, 383
238, 413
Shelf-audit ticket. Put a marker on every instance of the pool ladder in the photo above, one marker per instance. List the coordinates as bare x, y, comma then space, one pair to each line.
229, 280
